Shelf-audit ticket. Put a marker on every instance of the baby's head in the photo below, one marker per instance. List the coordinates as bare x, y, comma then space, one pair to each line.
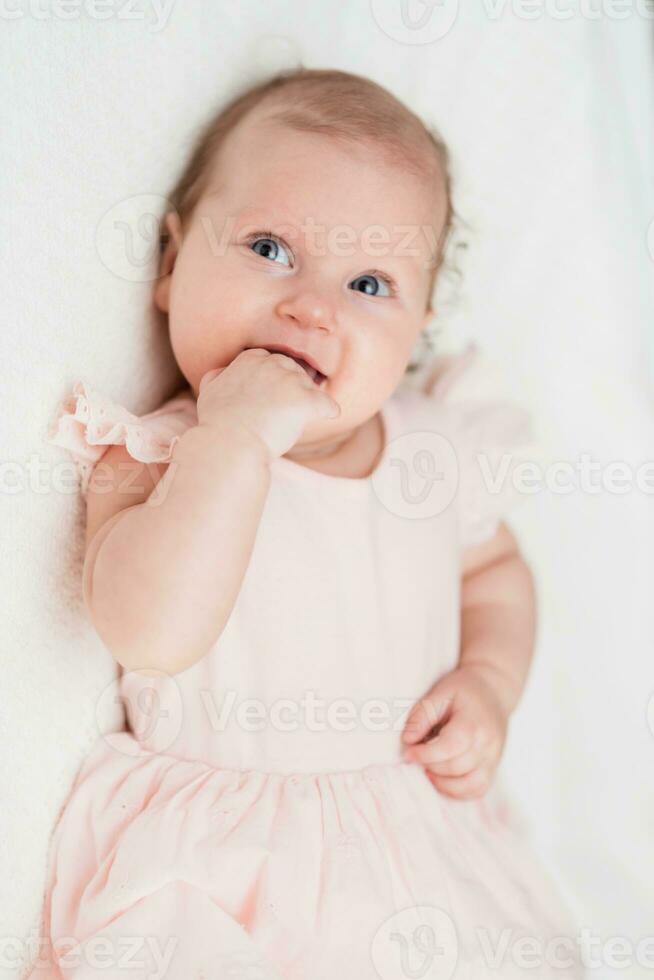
312, 214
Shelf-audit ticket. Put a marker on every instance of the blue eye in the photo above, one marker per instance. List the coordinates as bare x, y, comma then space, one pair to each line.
268, 246
371, 282
271, 246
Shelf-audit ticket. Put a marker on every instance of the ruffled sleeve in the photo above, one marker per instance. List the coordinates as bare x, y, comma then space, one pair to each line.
89, 422
492, 436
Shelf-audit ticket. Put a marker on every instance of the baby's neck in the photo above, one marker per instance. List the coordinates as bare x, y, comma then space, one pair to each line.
353, 456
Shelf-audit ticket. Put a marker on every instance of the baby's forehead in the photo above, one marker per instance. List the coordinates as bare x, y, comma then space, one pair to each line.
261, 148
307, 176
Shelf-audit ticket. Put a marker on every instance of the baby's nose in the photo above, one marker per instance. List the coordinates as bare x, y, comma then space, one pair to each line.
309, 307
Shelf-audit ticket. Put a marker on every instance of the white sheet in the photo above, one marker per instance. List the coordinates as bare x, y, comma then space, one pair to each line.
550, 125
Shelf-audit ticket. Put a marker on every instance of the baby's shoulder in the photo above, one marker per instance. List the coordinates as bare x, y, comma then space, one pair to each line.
466, 393
463, 419
94, 428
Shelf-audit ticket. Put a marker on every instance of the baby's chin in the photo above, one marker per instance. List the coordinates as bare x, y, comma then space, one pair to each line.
314, 449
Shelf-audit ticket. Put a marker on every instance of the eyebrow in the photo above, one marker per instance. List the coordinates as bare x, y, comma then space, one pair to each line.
268, 215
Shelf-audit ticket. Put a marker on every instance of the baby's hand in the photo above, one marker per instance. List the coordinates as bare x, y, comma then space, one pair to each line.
267, 395
472, 727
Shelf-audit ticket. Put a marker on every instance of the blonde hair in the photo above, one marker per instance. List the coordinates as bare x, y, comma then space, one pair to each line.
344, 106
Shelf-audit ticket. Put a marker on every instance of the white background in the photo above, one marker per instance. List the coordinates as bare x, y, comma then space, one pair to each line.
550, 124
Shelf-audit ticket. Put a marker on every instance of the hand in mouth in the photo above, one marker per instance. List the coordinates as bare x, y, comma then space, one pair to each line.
316, 375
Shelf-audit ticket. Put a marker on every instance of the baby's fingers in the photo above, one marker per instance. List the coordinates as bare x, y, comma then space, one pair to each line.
208, 376
424, 715
460, 765
472, 785
455, 739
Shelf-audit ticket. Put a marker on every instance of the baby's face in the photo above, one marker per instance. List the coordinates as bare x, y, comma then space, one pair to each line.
305, 243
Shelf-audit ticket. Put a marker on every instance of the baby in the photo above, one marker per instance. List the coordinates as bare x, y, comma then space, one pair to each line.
239, 543
295, 160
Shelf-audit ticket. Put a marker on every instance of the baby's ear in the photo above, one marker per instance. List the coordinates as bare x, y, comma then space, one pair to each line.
170, 241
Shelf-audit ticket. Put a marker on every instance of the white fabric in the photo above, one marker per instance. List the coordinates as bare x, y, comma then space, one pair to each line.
550, 124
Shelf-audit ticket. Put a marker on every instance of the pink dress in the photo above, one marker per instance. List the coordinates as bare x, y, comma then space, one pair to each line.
258, 820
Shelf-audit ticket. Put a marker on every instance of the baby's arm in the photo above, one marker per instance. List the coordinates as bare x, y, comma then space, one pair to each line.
498, 614
161, 577
458, 729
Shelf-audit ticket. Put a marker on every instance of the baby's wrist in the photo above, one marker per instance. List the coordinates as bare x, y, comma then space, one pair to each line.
501, 684
217, 440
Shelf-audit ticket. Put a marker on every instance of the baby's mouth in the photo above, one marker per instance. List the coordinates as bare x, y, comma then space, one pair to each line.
316, 376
